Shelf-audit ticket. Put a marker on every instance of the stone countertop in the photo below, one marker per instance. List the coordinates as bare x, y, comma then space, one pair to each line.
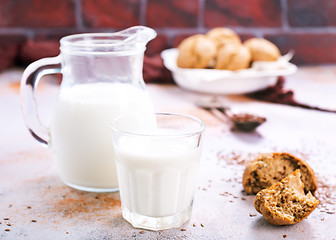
35, 204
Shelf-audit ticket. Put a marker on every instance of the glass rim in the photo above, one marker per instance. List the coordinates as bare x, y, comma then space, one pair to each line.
83, 43
175, 135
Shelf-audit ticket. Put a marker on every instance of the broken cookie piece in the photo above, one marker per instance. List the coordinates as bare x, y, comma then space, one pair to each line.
269, 168
285, 203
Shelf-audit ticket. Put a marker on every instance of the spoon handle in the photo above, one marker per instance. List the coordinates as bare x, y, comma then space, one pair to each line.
217, 112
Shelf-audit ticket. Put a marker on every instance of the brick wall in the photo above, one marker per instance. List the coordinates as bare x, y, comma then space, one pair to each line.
31, 29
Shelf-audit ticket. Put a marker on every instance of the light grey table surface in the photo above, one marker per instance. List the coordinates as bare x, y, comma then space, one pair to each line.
31, 190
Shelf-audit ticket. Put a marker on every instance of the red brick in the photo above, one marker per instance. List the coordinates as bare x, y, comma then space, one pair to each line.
173, 13
246, 13
311, 13
37, 13
54, 35
9, 48
33, 50
157, 45
309, 48
107, 13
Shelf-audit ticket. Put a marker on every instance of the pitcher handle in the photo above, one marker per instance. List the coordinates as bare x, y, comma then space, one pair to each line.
29, 81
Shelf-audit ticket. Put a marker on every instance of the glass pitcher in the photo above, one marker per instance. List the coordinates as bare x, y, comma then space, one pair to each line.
102, 79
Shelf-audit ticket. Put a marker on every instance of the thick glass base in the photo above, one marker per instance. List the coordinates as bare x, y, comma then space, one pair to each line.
156, 223
91, 189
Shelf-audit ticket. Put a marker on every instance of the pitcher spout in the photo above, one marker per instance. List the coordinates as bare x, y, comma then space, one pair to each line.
138, 34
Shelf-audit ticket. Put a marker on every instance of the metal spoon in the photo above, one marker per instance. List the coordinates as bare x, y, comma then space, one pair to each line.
242, 121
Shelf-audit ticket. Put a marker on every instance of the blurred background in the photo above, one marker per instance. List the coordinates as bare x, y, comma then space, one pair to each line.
31, 29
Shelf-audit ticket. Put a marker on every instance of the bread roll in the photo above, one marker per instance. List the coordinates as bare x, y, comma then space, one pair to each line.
233, 57
223, 36
262, 49
196, 51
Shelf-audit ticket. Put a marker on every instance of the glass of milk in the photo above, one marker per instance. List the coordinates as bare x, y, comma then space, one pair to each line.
157, 167
102, 79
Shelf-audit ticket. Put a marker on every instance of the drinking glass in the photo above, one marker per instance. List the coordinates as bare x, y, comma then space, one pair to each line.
157, 168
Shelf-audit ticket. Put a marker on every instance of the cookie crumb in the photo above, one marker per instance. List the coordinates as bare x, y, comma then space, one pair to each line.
8, 224
322, 219
194, 225
29, 207
253, 214
243, 198
202, 225
183, 229
33, 220
284, 236
142, 232
66, 232
7, 230
6, 218
330, 212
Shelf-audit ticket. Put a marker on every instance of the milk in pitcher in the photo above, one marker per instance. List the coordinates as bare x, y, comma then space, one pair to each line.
81, 135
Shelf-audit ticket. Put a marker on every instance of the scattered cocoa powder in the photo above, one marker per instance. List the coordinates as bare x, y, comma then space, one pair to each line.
232, 158
77, 202
326, 193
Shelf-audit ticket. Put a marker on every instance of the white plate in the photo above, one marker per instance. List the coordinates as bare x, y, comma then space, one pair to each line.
224, 81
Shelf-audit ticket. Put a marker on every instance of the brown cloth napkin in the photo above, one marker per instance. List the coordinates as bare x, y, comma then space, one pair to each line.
278, 94
154, 71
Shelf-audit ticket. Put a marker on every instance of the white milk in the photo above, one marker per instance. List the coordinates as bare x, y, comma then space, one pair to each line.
81, 135
157, 178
